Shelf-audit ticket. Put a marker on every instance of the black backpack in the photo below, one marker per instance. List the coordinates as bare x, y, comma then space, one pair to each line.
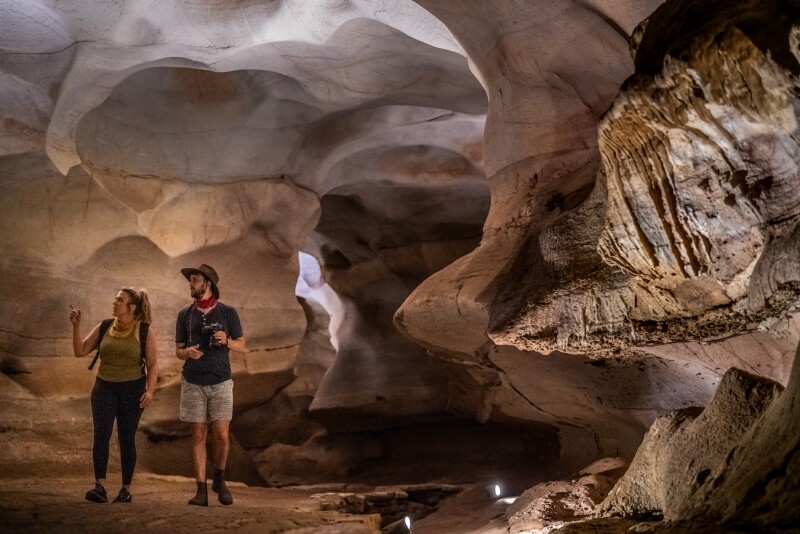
143, 329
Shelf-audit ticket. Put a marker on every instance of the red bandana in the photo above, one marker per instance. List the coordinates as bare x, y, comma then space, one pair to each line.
206, 304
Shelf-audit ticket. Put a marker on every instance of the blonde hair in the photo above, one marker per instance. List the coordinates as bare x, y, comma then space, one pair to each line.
141, 300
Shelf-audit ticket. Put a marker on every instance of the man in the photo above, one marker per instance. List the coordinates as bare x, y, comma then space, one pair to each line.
205, 332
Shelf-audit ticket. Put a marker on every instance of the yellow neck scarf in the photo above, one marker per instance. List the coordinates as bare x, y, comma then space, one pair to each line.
121, 330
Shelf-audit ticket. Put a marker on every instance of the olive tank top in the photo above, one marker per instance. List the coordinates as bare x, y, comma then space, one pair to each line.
120, 358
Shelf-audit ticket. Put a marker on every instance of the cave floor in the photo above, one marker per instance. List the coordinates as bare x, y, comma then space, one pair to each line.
37, 504
160, 505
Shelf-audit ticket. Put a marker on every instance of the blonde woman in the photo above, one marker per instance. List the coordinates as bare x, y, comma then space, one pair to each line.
127, 346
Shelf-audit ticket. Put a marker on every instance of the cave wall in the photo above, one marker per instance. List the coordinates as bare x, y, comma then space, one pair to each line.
522, 225
238, 136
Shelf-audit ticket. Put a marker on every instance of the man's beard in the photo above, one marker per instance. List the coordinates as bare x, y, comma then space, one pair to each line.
198, 293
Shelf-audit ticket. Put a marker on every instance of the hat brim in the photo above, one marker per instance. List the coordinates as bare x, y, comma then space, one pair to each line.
188, 272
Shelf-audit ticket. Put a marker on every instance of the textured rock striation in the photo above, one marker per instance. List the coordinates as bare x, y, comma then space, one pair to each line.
700, 195
546, 92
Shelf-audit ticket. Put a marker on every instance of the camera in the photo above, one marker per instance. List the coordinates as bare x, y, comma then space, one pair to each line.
210, 330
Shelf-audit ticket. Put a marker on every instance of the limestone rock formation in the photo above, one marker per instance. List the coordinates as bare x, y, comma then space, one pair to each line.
730, 463
700, 200
235, 136
546, 92
683, 452
553, 504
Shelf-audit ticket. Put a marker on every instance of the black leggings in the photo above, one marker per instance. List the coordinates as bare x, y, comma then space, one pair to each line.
120, 401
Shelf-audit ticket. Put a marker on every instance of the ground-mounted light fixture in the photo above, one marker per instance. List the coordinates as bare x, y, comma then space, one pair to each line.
494, 491
403, 526
500, 493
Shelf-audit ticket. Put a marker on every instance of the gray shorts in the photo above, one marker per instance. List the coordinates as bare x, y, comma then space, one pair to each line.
203, 404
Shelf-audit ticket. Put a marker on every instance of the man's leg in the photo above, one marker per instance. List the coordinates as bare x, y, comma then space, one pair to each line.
221, 443
221, 412
194, 410
199, 434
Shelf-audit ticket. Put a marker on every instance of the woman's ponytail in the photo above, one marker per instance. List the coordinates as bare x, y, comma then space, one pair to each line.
141, 300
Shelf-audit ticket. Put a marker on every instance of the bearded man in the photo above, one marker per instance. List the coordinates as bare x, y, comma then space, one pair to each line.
205, 333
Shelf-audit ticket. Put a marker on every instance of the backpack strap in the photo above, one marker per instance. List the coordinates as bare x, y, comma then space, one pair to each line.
103, 329
144, 328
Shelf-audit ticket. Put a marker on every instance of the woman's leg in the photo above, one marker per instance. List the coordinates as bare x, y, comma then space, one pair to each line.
128, 415
104, 409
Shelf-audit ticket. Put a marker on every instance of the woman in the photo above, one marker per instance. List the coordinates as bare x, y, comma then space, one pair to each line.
121, 390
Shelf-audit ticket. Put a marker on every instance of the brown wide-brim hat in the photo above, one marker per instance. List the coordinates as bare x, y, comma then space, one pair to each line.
207, 272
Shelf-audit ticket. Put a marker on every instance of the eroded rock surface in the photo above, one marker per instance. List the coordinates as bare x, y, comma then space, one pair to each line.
725, 464
238, 136
685, 451
553, 504
700, 200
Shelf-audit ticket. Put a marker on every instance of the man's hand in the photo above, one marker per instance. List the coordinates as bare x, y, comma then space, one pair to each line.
221, 337
193, 352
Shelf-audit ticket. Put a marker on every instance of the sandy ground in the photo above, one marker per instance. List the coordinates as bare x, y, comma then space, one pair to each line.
45, 471
160, 505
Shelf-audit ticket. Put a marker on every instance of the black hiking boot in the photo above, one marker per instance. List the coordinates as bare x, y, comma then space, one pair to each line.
201, 498
221, 489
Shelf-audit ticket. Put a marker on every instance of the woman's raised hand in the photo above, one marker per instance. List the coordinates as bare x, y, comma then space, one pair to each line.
74, 315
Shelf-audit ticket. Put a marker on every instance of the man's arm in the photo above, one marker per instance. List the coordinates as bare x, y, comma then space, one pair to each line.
238, 345
151, 361
184, 353
234, 339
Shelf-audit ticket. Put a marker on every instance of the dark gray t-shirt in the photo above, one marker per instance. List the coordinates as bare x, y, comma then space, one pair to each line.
214, 366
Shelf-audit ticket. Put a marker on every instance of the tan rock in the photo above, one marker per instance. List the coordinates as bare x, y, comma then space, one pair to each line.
674, 470
554, 504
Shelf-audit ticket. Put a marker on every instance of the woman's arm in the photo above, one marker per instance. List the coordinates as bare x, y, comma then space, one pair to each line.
82, 347
151, 361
